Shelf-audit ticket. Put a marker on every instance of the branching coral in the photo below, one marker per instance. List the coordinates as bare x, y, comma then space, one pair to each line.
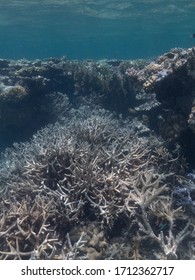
168, 239
26, 230
97, 176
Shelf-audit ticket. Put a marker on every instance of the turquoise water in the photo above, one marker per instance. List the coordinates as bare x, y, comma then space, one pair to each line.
94, 29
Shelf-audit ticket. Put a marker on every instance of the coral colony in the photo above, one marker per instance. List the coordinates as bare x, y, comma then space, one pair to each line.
106, 173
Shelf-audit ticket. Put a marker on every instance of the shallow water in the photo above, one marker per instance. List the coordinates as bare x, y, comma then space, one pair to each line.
78, 29
85, 143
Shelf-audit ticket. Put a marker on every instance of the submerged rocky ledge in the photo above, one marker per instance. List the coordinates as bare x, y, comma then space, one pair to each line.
103, 164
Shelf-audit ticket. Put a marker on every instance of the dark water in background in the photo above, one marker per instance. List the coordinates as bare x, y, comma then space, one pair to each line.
96, 29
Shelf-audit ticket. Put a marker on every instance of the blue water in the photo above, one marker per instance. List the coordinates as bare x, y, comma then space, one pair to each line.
94, 29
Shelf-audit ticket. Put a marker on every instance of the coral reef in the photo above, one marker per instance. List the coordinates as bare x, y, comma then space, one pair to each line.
41, 78
191, 120
91, 187
171, 78
158, 88
108, 172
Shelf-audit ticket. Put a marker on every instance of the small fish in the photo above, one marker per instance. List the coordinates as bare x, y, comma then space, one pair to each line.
193, 35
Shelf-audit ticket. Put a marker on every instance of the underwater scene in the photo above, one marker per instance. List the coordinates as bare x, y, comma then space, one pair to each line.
97, 130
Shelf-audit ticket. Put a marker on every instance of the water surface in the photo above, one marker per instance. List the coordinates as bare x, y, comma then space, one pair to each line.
95, 29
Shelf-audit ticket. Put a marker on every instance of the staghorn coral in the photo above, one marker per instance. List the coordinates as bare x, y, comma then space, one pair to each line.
90, 187
168, 218
95, 185
191, 120
24, 228
148, 89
